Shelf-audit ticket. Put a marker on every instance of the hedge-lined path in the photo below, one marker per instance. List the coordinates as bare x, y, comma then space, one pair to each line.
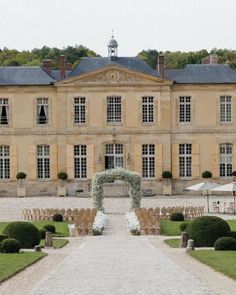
118, 264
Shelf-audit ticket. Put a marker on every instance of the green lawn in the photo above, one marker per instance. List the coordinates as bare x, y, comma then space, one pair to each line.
222, 261
57, 243
171, 228
62, 229
173, 243
11, 264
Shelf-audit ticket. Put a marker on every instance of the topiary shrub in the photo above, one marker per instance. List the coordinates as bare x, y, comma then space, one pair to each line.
26, 233
206, 174
167, 174
234, 173
176, 216
10, 246
225, 244
50, 227
57, 217
21, 175
42, 233
183, 226
3, 237
206, 230
232, 234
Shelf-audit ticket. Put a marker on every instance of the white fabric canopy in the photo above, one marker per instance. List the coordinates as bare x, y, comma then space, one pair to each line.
203, 186
229, 187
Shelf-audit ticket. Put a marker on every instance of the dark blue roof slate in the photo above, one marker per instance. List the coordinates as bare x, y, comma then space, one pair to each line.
95, 63
202, 74
56, 74
24, 76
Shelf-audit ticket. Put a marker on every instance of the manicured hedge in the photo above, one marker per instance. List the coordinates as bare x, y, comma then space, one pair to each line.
10, 246
225, 244
176, 216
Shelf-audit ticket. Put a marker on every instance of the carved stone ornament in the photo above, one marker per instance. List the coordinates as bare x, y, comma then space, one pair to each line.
113, 76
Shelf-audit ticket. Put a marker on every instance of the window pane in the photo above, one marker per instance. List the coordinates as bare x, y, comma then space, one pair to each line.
80, 161
148, 160
113, 109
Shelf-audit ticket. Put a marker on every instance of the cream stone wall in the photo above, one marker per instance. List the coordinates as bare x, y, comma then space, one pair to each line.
205, 132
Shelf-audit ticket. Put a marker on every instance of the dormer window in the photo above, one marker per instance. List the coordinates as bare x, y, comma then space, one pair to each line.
42, 111
4, 111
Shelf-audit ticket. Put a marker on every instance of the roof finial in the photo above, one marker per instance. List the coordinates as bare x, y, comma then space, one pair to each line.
112, 33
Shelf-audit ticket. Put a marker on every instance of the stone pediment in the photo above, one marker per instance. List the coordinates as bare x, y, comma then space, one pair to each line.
113, 76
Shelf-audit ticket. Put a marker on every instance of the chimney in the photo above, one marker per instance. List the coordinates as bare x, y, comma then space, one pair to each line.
63, 66
161, 66
68, 66
47, 65
213, 59
206, 60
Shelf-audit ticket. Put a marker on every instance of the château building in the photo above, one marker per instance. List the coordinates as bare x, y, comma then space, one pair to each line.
116, 111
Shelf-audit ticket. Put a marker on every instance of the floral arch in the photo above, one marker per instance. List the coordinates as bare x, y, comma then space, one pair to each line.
130, 177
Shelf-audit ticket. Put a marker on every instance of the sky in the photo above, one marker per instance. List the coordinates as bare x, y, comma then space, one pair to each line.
185, 25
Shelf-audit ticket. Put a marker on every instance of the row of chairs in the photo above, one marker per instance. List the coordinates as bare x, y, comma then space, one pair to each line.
189, 212
47, 213
84, 221
149, 222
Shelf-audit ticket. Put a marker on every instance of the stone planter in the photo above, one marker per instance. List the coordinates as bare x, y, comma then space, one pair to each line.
167, 187
20, 192
61, 191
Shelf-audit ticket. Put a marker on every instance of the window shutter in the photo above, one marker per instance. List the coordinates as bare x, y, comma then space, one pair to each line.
53, 161
215, 161
13, 162
195, 160
138, 158
32, 162
70, 161
175, 160
90, 161
159, 161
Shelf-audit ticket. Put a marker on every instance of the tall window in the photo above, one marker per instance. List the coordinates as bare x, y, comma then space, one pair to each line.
4, 162
225, 108
80, 161
4, 111
147, 109
42, 111
148, 160
113, 109
79, 110
114, 156
43, 161
185, 160
226, 159
184, 109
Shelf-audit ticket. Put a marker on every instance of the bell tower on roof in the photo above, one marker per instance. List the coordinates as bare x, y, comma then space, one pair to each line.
112, 48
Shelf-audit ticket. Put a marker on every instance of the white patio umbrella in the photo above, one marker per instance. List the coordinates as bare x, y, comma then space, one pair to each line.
229, 187
206, 186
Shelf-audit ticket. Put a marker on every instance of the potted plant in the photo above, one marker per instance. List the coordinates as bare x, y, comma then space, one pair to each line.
167, 183
21, 187
234, 175
61, 189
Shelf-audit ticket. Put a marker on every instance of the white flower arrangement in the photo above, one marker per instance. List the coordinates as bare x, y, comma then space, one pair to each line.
99, 223
130, 177
133, 223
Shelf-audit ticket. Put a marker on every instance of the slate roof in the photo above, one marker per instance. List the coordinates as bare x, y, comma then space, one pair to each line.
202, 74
87, 65
24, 76
56, 74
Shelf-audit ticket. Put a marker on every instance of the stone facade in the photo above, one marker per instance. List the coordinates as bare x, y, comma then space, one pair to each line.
205, 131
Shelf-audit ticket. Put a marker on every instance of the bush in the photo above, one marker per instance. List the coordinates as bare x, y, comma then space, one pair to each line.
50, 227
166, 174
21, 175
183, 226
232, 234
10, 246
206, 230
57, 217
3, 237
206, 174
176, 216
26, 233
234, 173
42, 233
62, 175
225, 244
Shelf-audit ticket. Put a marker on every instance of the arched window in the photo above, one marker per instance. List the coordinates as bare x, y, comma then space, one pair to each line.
226, 159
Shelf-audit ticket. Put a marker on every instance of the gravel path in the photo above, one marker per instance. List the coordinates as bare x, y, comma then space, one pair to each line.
119, 264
